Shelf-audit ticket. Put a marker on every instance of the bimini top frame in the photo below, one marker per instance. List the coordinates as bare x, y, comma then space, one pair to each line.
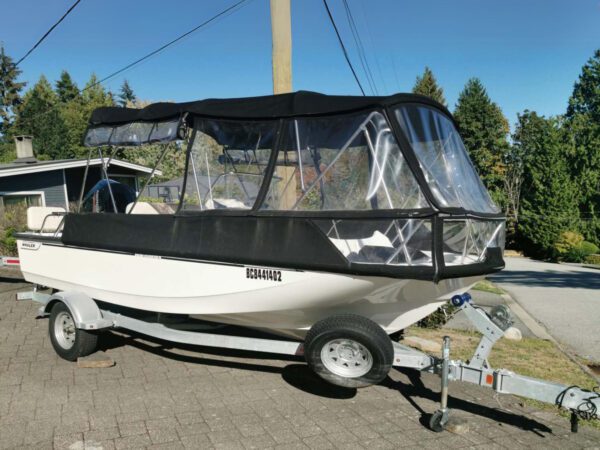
382, 185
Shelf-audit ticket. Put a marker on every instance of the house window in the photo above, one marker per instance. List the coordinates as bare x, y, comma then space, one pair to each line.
21, 199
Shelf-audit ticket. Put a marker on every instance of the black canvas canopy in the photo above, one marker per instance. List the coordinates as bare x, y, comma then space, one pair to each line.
377, 186
296, 104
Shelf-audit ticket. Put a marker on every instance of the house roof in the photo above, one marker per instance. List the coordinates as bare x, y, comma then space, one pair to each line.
22, 168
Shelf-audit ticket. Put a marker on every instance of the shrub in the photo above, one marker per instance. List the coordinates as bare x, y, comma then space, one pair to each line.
12, 220
593, 259
566, 241
580, 252
438, 318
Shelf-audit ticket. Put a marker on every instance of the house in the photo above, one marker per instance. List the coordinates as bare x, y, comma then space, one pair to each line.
167, 191
58, 183
170, 191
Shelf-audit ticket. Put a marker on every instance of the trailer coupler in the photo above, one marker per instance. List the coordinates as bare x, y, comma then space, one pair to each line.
582, 403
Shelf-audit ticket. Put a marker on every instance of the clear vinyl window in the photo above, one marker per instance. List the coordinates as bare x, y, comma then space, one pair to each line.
444, 159
396, 242
342, 163
227, 163
467, 240
134, 133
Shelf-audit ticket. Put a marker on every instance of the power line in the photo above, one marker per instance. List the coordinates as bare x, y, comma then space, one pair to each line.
226, 11
168, 44
364, 16
343, 47
48, 32
360, 47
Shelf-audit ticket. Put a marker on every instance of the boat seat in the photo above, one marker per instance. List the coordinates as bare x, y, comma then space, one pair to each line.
149, 208
44, 218
225, 203
348, 246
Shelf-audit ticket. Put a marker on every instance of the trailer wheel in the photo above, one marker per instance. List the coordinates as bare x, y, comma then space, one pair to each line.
68, 341
349, 350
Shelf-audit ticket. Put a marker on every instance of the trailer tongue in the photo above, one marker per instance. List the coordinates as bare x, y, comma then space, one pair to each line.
582, 404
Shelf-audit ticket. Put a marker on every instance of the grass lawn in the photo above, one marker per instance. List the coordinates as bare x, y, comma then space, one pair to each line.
488, 286
530, 356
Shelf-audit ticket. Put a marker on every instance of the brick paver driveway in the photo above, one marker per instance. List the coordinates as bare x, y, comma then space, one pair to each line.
160, 396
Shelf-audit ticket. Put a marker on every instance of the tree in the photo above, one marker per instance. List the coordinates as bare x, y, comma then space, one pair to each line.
549, 203
77, 112
66, 89
427, 85
10, 90
586, 92
126, 95
583, 138
484, 131
513, 183
39, 117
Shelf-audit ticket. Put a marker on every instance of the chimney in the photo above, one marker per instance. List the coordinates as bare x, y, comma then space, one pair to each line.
24, 149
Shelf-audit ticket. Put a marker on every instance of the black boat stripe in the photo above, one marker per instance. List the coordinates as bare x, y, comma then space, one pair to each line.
171, 258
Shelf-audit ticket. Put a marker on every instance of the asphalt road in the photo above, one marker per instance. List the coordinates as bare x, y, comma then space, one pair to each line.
563, 298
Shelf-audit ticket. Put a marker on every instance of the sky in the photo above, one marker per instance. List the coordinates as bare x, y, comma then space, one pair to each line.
527, 53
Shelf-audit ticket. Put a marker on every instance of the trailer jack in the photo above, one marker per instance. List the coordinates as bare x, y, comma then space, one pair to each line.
582, 403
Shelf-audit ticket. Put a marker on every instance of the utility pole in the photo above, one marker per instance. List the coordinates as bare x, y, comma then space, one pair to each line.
281, 30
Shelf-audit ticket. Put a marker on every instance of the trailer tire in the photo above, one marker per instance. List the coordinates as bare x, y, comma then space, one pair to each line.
349, 350
69, 342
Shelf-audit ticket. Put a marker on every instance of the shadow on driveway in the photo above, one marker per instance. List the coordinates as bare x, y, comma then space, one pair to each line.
416, 388
301, 377
549, 278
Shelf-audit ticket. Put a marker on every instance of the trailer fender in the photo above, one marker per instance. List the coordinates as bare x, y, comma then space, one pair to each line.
85, 311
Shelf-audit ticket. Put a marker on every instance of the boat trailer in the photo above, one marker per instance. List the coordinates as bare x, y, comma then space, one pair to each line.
582, 404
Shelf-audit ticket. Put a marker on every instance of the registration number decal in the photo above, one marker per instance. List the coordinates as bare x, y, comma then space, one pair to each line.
256, 273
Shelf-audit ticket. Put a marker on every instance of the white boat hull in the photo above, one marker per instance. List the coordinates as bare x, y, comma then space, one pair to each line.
279, 300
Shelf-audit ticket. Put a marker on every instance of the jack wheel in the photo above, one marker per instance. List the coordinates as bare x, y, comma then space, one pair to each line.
438, 421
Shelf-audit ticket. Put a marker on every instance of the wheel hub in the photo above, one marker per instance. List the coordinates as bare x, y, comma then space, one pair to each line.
346, 358
64, 330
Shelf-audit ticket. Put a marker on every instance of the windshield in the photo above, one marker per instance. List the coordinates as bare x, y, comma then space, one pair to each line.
444, 159
350, 162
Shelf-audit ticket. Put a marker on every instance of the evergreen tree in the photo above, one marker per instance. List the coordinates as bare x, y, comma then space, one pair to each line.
126, 96
94, 95
76, 114
66, 89
10, 90
427, 85
39, 117
583, 140
586, 92
549, 203
484, 130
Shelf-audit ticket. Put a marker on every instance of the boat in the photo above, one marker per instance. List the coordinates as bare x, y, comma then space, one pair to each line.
294, 207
